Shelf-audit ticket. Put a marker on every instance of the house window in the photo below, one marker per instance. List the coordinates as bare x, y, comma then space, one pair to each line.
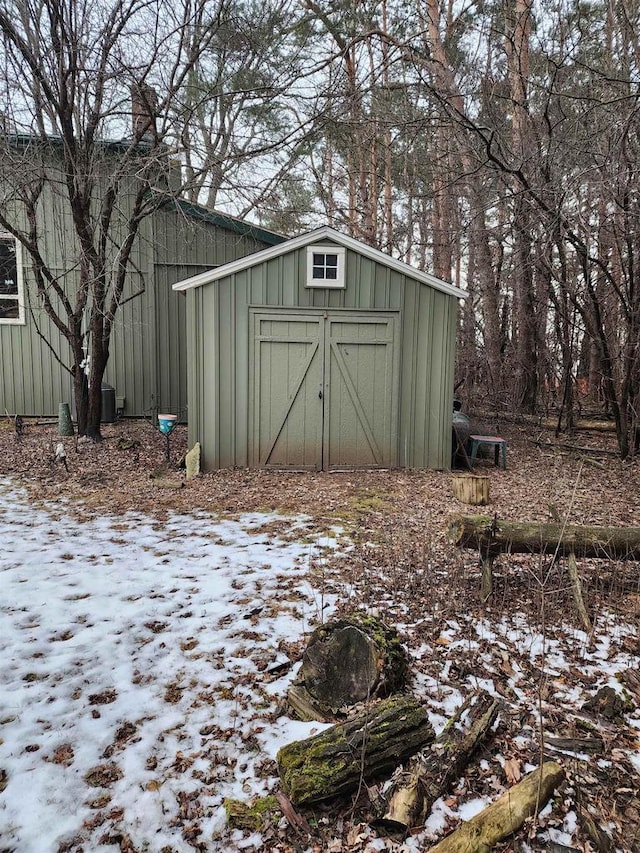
11, 304
325, 266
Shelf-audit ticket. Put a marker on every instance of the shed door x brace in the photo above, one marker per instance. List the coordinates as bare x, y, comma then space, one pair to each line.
324, 390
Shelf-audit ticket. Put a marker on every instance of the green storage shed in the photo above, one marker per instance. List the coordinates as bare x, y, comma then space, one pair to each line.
320, 353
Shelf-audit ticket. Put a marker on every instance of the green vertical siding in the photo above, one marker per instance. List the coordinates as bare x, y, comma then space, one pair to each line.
221, 413
148, 352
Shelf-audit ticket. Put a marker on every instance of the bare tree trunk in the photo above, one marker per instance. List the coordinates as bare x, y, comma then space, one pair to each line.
518, 27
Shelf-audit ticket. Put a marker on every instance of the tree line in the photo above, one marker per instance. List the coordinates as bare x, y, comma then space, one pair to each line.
494, 144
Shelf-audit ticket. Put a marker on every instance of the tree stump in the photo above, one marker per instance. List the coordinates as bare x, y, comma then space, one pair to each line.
371, 744
472, 489
347, 661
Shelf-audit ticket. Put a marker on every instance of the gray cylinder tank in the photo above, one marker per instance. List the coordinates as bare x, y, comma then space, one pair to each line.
108, 404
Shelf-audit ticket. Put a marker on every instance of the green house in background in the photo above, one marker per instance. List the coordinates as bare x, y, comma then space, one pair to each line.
148, 360
320, 353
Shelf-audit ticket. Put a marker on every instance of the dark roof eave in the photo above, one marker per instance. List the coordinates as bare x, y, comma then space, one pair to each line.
223, 220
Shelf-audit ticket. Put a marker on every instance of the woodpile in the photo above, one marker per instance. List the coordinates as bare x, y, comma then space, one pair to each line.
389, 738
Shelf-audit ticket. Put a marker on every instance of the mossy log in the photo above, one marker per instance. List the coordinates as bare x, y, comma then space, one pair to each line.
431, 773
507, 815
496, 536
371, 744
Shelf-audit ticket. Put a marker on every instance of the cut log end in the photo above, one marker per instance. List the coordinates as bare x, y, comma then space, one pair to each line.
347, 660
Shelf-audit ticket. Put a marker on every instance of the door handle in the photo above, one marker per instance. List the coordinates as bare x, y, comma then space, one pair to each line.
320, 394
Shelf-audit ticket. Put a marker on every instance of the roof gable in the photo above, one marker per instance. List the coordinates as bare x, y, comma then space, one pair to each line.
323, 233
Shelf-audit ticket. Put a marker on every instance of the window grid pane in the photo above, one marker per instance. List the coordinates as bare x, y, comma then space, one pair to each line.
325, 267
10, 309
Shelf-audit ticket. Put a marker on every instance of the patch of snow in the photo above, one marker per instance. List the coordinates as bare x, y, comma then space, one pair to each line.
136, 668
436, 823
471, 808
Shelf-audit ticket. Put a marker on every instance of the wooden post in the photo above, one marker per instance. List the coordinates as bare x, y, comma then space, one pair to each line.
576, 590
486, 587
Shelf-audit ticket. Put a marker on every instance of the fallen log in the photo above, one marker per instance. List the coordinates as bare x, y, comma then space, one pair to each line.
596, 834
573, 448
431, 773
493, 536
577, 746
496, 536
371, 744
506, 815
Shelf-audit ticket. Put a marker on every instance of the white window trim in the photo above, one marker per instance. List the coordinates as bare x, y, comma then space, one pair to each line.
20, 319
332, 284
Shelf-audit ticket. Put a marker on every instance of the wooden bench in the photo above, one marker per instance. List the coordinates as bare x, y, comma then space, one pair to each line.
475, 442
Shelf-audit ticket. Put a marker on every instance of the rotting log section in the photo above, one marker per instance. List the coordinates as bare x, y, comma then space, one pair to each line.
431, 773
371, 744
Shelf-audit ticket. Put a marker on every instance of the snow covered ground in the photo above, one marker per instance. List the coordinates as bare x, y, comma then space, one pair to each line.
143, 662
135, 671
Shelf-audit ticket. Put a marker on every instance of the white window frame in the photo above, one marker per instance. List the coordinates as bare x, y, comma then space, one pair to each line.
20, 319
337, 283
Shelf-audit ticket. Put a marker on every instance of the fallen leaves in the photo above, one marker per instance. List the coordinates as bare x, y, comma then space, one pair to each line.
512, 770
173, 693
156, 627
63, 755
103, 776
124, 734
105, 698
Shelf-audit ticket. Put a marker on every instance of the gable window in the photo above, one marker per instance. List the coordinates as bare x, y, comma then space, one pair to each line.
325, 266
11, 304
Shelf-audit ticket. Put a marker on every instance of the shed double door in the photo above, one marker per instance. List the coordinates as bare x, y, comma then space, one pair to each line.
325, 390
